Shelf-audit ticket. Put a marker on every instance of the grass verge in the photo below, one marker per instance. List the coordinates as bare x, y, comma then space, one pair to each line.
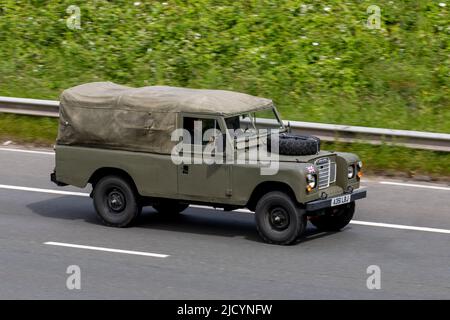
39, 131
382, 159
397, 161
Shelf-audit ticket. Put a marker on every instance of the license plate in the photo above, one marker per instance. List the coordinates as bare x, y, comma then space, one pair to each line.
340, 200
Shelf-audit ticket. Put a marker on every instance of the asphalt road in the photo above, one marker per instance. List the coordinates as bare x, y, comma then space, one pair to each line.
213, 254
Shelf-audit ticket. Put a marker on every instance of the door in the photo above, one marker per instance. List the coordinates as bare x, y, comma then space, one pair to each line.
203, 176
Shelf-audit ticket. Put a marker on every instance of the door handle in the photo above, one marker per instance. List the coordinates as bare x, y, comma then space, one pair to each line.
185, 169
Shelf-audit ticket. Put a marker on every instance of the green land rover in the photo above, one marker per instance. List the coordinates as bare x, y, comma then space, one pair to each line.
170, 147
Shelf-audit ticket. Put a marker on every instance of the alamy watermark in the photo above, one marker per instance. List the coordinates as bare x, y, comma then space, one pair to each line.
255, 147
373, 282
74, 21
374, 20
73, 281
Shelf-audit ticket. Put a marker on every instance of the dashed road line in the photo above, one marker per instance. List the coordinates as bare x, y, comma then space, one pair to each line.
78, 246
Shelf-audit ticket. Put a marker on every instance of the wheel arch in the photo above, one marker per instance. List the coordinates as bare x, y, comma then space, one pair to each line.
268, 186
110, 171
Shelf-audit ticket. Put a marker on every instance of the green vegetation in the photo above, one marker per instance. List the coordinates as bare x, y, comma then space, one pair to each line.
387, 160
317, 60
28, 129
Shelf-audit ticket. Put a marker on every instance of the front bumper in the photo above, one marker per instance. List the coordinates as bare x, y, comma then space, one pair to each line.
326, 203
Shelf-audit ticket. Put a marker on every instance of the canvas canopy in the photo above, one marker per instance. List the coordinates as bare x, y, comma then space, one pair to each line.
141, 119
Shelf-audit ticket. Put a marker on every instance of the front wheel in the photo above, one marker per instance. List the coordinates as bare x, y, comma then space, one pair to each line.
116, 202
335, 218
278, 219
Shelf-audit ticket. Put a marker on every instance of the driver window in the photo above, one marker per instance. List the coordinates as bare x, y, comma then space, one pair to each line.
189, 124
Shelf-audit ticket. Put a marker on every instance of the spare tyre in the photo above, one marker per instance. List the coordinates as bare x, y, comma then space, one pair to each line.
298, 145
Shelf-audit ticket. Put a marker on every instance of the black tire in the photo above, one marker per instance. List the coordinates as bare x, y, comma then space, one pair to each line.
170, 207
278, 219
116, 201
297, 145
335, 218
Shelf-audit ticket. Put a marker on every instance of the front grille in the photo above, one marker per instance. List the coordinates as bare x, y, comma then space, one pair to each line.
327, 172
333, 172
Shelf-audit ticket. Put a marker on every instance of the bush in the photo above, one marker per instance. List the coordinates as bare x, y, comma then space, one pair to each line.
316, 60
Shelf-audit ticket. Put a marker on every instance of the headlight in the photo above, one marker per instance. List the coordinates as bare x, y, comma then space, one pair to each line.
310, 182
359, 164
351, 171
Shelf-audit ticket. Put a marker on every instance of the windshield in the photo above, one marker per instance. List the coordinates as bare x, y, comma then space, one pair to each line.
248, 124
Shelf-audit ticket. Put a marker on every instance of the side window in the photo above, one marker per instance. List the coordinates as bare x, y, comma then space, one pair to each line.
233, 123
190, 123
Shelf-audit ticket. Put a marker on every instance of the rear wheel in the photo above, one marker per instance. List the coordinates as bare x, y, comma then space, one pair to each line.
116, 201
278, 218
335, 218
170, 207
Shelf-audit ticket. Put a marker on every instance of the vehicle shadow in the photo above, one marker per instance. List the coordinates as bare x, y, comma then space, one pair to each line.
200, 221
66, 207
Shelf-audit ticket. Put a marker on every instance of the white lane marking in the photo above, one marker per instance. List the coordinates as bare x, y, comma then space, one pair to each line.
27, 151
399, 226
365, 223
414, 185
78, 246
212, 208
67, 193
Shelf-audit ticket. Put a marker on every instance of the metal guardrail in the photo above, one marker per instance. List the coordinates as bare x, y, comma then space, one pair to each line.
33, 107
327, 132
342, 133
